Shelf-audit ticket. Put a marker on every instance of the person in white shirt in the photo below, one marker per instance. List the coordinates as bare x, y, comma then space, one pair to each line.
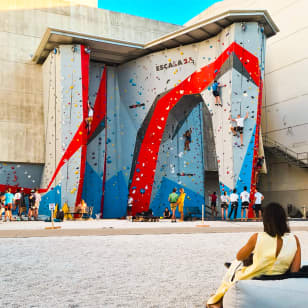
258, 198
37, 198
130, 202
239, 128
89, 119
234, 203
245, 196
17, 198
225, 200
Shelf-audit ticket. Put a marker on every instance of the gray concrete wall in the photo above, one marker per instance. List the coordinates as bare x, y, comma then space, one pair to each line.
22, 24
284, 183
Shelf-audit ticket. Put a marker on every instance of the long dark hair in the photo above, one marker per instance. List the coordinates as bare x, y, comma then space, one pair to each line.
275, 220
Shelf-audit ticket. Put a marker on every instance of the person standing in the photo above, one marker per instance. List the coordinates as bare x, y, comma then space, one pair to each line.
225, 200
245, 203
180, 203
234, 203
9, 197
31, 198
22, 207
214, 203
17, 197
2, 206
130, 202
258, 198
173, 198
38, 198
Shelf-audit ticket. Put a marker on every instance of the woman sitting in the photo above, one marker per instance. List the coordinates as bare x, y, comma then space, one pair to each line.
275, 251
81, 208
167, 214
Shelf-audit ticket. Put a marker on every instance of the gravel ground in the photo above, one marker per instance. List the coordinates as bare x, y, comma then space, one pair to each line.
117, 271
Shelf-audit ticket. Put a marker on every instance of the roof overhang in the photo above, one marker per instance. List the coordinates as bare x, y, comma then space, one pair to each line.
115, 52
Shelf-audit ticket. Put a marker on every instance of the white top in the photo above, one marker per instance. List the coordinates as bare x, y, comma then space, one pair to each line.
258, 197
37, 197
234, 197
17, 196
90, 112
239, 122
224, 198
245, 196
130, 201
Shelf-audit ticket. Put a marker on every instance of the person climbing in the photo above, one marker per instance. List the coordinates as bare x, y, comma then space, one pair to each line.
225, 200
259, 165
215, 87
234, 203
180, 203
245, 203
187, 136
214, 203
89, 119
173, 198
239, 128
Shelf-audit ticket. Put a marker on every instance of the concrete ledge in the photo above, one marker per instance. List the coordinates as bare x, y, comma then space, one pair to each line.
129, 231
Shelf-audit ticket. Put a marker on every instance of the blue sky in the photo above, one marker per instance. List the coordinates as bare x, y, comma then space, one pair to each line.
176, 12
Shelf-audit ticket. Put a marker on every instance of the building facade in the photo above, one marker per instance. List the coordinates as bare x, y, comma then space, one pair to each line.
134, 73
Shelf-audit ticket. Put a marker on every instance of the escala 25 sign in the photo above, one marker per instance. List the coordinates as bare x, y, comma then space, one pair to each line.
172, 64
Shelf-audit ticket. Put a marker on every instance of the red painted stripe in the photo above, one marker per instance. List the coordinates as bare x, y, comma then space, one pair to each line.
143, 178
100, 104
255, 151
85, 62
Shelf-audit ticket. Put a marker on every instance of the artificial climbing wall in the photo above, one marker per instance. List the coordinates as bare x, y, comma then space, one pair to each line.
141, 111
66, 74
158, 83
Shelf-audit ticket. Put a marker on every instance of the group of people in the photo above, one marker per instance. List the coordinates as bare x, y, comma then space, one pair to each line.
234, 200
10, 202
175, 201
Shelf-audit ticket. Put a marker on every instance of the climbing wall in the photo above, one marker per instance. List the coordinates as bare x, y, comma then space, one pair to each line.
95, 164
17, 176
224, 58
65, 99
141, 111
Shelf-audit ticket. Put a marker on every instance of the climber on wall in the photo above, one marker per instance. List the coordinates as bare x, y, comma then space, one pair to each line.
215, 87
259, 164
187, 136
89, 119
239, 128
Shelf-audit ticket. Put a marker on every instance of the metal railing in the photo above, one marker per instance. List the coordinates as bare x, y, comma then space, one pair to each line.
301, 158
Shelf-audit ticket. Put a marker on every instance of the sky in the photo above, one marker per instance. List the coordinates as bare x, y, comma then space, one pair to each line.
176, 12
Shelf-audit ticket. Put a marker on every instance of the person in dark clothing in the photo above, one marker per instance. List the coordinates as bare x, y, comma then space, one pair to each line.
259, 165
22, 205
214, 203
31, 199
167, 214
187, 137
